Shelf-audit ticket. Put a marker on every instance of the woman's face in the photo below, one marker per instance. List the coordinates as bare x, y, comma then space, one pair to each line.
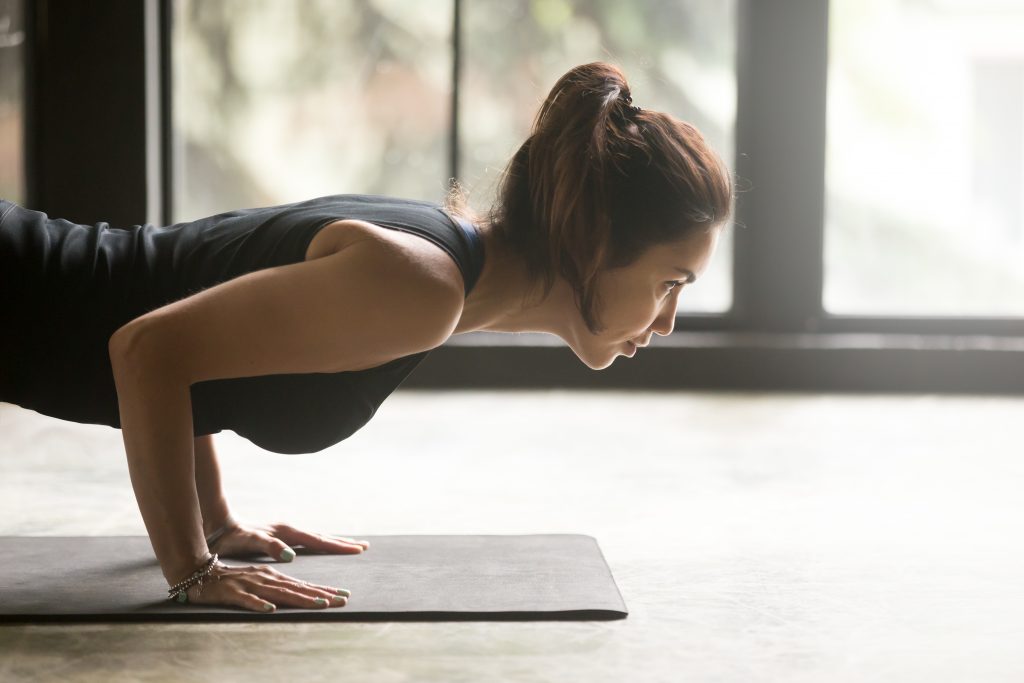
639, 300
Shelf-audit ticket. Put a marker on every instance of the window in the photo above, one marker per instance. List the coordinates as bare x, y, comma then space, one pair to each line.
12, 98
878, 237
925, 158
277, 102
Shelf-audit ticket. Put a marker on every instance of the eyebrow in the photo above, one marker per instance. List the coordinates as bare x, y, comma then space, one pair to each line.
687, 271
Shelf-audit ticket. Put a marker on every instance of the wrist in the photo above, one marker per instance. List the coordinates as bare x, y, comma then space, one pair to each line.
215, 516
195, 579
180, 569
216, 534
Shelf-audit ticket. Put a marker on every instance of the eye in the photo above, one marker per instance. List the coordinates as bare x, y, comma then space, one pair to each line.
672, 284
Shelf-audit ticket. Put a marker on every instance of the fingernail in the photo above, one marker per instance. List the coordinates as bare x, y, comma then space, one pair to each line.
320, 602
342, 591
267, 607
339, 598
287, 555
182, 597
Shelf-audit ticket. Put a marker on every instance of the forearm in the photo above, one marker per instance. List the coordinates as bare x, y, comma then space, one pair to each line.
212, 502
156, 426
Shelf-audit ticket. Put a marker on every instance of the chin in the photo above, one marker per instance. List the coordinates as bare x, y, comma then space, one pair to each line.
597, 363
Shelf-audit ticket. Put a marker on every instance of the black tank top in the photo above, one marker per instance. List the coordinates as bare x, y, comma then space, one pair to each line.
65, 288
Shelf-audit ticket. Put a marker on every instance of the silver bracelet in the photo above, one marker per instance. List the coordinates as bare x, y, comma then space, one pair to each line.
229, 524
198, 577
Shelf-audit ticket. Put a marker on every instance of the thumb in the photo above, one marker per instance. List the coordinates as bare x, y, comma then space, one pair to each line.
279, 550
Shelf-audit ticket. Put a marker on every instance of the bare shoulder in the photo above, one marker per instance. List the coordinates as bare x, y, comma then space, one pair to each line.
417, 254
377, 297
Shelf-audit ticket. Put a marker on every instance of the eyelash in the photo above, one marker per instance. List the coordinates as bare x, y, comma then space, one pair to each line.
675, 283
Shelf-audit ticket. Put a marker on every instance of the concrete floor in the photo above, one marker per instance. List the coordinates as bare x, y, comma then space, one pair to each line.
754, 537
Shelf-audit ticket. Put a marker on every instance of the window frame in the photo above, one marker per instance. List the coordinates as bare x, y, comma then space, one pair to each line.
776, 335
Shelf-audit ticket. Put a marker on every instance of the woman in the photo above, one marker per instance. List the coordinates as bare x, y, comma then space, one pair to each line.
291, 324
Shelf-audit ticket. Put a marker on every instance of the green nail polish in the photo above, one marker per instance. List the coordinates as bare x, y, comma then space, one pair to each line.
287, 555
267, 607
339, 598
342, 591
182, 597
320, 602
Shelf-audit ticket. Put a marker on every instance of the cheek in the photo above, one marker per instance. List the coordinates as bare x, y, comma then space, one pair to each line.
628, 315
627, 307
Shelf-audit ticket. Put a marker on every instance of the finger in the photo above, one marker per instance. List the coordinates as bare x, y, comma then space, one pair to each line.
315, 589
320, 542
266, 575
327, 544
333, 590
292, 598
278, 549
353, 541
253, 603
364, 544
233, 598
317, 541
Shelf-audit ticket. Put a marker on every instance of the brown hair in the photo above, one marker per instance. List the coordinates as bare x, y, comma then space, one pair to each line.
597, 183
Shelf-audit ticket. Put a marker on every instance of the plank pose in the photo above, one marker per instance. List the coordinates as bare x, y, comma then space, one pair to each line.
291, 324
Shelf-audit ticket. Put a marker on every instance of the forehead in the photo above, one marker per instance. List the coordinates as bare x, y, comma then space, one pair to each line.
688, 252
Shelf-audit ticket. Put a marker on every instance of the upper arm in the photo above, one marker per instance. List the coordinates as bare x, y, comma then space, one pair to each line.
365, 305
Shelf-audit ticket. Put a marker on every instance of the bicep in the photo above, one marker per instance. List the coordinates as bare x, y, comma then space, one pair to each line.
359, 307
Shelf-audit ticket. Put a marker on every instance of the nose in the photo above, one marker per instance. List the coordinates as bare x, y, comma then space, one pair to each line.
666, 320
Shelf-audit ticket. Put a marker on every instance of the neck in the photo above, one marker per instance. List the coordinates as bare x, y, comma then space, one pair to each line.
504, 298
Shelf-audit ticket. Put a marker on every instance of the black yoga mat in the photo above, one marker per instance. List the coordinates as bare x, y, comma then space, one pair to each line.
400, 578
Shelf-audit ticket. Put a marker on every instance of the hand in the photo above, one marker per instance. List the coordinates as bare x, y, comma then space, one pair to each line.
274, 540
262, 589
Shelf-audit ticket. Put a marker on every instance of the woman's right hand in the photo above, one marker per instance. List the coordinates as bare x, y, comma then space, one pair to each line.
263, 589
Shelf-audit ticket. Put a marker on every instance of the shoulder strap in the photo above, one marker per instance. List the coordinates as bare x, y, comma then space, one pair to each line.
476, 250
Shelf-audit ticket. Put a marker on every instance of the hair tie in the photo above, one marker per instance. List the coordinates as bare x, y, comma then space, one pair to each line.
632, 109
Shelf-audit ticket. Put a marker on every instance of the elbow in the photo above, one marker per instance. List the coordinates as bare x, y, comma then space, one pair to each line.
121, 345
132, 354
139, 353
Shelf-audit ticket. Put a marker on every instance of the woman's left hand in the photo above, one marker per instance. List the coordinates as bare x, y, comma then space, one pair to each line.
275, 540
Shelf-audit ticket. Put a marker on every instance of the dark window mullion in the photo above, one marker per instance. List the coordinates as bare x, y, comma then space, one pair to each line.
86, 102
166, 114
453, 149
780, 160
29, 134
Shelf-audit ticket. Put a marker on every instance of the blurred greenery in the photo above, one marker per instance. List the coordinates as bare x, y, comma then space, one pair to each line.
12, 42
283, 101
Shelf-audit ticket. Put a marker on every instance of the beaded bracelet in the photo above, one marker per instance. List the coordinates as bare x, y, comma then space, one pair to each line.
198, 577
